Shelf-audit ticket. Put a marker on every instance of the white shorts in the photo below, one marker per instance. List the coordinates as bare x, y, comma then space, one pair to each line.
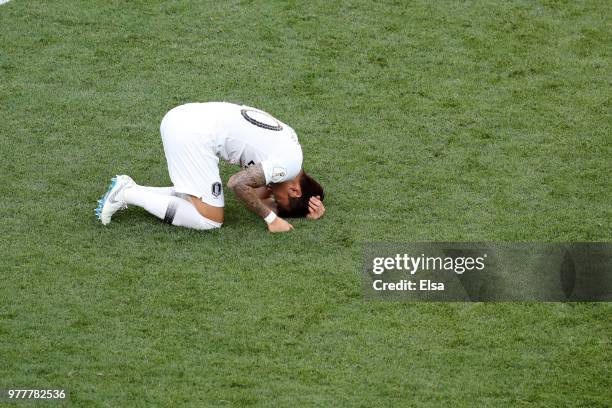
190, 148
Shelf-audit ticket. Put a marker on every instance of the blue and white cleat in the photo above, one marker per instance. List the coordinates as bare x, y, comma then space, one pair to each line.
112, 201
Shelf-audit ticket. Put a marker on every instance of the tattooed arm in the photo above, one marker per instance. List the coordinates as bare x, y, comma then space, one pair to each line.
265, 195
244, 184
263, 192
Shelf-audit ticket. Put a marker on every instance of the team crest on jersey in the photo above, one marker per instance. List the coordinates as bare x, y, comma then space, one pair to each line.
216, 189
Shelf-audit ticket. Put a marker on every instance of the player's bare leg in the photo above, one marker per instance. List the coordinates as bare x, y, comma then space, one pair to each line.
206, 210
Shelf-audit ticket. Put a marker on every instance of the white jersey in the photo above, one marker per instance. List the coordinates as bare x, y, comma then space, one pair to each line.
248, 136
196, 134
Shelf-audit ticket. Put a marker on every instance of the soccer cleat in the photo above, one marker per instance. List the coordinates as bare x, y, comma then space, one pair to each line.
112, 201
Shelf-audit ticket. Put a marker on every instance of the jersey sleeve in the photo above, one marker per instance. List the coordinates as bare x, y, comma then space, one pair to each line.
279, 170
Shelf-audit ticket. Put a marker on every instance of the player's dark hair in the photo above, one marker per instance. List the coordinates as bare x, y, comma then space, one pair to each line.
298, 207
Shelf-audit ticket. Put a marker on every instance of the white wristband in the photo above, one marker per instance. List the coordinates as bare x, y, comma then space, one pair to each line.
270, 217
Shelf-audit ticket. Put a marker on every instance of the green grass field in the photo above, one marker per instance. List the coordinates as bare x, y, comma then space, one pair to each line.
425, 121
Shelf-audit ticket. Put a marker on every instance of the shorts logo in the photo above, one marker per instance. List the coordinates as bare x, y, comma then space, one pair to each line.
216, 189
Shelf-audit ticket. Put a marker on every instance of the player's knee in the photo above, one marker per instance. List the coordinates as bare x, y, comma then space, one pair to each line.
198, 223
206, 224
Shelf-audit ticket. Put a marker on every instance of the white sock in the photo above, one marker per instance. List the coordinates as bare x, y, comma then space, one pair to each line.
170, 209
167, 191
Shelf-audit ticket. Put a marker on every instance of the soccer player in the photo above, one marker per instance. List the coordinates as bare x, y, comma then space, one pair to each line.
195, 136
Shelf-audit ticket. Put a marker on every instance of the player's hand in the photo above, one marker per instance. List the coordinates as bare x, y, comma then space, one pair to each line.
316, 209
279, 225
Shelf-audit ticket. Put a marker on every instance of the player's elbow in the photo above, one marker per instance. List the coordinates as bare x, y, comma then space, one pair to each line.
233, 183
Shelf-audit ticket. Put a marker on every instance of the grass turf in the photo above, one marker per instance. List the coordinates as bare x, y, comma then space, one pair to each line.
445, 121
